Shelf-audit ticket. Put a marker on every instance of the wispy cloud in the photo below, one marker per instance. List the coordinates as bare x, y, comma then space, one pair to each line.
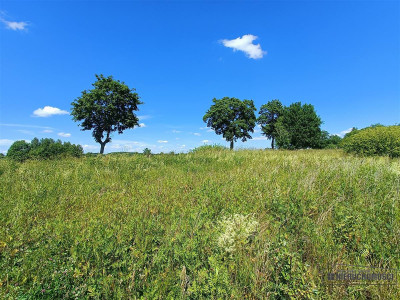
25, 126
176, 131
144, 117
205, 141
47, 131
29, 132
63, 134
6, 142
48, 111
197, 134
162, 141
245, 44
14, 25
259, 138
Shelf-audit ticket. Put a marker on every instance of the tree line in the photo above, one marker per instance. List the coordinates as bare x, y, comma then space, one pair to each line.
111, 104
296, 126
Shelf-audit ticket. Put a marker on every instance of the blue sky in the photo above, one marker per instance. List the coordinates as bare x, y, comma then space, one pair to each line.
342, 57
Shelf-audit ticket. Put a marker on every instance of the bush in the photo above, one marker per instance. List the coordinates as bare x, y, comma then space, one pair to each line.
376, 140
214, 147
43, 149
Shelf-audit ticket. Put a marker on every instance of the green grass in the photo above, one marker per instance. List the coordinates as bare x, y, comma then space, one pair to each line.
131, 226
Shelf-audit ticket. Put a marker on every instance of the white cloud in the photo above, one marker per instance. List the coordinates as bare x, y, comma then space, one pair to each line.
176, 131
90, 147
197, 134
245, 44
343, 133
142, 125
210, 130
63, 134
162, 141
202, 128
144, 117
6, 142
47, 131
205, 141
14, 25
259, 138
48, 111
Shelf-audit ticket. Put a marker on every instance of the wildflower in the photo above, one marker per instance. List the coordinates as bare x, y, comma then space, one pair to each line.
236, 231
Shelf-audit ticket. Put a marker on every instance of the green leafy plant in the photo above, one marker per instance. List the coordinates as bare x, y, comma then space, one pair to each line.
375, 140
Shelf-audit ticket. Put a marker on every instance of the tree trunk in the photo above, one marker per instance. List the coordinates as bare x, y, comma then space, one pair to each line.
102, 147
272, 144
231, 145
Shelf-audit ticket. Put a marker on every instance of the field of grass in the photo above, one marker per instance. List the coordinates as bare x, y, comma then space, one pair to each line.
203, 225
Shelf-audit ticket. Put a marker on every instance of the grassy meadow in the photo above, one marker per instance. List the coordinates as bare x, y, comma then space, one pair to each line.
212, 224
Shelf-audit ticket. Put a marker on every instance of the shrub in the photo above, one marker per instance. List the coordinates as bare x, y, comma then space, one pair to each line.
376, 140
43, 149
214, 147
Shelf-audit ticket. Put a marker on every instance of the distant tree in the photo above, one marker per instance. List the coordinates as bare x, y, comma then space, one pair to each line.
147, 152
2, 155
329, 141
298, 127
43, 149
231, 117
107, 108
19, 151
269, 114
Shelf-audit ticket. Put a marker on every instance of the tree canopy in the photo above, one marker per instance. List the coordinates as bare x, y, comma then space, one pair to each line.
231, 117
298, 127
107, 108
269, 114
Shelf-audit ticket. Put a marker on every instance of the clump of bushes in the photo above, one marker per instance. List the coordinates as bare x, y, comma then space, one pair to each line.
43, 149
374, 140
214, 147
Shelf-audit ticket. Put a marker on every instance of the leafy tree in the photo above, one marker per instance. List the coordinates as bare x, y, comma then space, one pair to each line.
107, 108
329, 141
19, 150
147, 152
298, 127
43, 149
269, 114
232, 118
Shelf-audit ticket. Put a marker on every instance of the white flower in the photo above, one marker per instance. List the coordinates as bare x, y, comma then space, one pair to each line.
236, 231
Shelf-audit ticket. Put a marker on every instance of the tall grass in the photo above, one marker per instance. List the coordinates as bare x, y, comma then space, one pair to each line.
150, 227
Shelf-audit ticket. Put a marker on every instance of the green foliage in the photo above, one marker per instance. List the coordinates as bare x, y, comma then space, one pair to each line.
107, 108
231, 117
128, 227
147, 152
43, 149
328, 141
2, 155
374, 140
269, 114
19, 151
207, 148
298, 127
